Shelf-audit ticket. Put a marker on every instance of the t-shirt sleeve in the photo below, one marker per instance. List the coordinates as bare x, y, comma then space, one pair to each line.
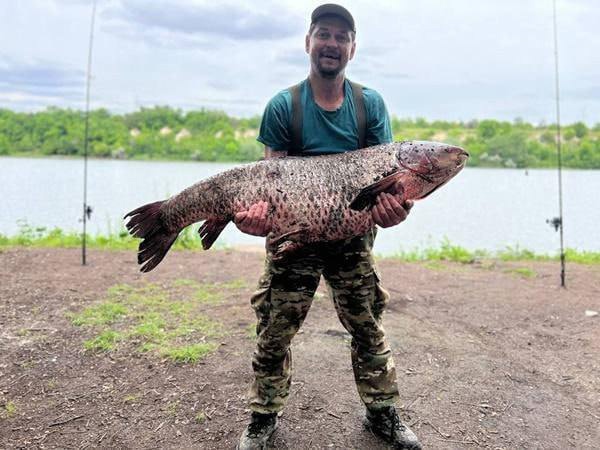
379, 129
275, 125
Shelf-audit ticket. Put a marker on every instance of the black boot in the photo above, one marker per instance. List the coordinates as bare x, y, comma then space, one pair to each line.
386, 424
258, 431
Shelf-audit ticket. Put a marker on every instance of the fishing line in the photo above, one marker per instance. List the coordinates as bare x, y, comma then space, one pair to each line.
87, 209
558, 222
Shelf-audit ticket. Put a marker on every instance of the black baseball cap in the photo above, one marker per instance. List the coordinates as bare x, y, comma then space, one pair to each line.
331, 9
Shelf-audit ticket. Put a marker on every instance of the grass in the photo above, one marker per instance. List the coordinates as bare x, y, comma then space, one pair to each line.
251, 331
185, 282
104, 313
173, 408
131, 398
446, 251
10, 409
189, 353
206, 293
30, 236
105, 341
435, 265
164, 320
522, 271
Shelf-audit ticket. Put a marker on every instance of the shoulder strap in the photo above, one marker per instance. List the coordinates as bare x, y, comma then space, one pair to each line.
297, 117
296, 121
361, 114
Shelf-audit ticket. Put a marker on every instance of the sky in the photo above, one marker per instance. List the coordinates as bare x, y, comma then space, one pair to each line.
448, 60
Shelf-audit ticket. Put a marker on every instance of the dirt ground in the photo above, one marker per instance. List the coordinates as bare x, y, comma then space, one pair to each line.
487, 356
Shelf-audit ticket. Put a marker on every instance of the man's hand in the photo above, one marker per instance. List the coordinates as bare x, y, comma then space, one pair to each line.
255, 221
388, 211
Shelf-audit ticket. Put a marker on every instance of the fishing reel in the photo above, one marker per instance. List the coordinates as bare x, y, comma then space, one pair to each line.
87, 212
555, 222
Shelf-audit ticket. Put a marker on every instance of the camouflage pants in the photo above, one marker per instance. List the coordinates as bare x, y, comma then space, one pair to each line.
282, 301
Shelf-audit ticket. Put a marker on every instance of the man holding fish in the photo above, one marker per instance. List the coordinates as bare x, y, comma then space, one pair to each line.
324, 114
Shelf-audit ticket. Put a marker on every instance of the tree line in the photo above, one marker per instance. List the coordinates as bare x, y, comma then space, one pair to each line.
163, 132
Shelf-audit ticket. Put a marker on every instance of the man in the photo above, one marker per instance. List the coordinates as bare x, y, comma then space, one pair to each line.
327, 103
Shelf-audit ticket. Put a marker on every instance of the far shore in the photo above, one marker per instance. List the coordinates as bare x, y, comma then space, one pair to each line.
171, 160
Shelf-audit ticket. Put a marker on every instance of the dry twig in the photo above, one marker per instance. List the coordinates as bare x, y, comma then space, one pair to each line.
62, 422
444, 435
456, 441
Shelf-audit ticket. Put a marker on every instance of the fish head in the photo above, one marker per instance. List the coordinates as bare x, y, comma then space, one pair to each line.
430, 164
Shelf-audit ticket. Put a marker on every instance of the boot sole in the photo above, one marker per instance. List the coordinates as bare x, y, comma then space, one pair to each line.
369, 426
264, 446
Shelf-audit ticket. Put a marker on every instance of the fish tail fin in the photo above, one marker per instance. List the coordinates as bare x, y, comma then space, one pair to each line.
146, 222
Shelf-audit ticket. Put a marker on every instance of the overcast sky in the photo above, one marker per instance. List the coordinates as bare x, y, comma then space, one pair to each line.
453, 60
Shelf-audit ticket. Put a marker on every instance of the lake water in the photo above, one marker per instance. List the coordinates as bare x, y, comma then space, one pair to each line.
481, 208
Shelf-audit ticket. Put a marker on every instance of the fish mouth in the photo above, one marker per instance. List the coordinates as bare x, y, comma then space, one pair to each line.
461, 154
452, 154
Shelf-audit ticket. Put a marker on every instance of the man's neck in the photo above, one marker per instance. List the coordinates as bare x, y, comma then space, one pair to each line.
327, 92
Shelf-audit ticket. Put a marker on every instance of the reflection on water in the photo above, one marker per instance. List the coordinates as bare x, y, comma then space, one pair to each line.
480, 208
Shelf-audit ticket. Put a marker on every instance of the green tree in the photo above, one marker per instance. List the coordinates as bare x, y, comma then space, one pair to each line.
580, 129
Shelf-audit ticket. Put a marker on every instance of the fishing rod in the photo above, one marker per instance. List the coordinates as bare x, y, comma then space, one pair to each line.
87, 209
557, 222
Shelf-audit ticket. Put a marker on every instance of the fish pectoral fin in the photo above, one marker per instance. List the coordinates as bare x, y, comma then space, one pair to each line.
367, 197
285, 249
210, 230
283, 237
276, 240
284, 245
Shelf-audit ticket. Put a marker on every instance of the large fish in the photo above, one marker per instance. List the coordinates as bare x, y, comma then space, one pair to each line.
321, 198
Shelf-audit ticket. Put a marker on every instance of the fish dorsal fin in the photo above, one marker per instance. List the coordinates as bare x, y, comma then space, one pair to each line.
367, 197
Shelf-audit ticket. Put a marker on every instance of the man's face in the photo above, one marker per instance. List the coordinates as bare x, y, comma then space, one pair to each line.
330, 46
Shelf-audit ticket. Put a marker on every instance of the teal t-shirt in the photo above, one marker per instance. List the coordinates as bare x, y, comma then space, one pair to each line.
324, 131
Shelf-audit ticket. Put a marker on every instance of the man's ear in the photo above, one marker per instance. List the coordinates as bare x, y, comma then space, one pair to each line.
353, 50
306, 43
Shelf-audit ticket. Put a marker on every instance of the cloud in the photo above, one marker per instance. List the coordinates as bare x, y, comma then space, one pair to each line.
377, 72
63, 3
29, 79
295, 57
378, 62
222, 84
155, 38
24, 101
585, 93
183, 19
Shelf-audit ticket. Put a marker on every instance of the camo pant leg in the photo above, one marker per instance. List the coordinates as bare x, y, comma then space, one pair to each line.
360, 301
281, 303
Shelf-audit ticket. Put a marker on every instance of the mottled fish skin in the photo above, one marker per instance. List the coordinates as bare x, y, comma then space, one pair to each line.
320, 198
309, 194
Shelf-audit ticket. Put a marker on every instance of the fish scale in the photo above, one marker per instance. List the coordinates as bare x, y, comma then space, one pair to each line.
311, 199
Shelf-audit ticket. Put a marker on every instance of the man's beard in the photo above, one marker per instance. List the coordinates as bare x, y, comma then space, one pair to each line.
326, 72
329, 73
